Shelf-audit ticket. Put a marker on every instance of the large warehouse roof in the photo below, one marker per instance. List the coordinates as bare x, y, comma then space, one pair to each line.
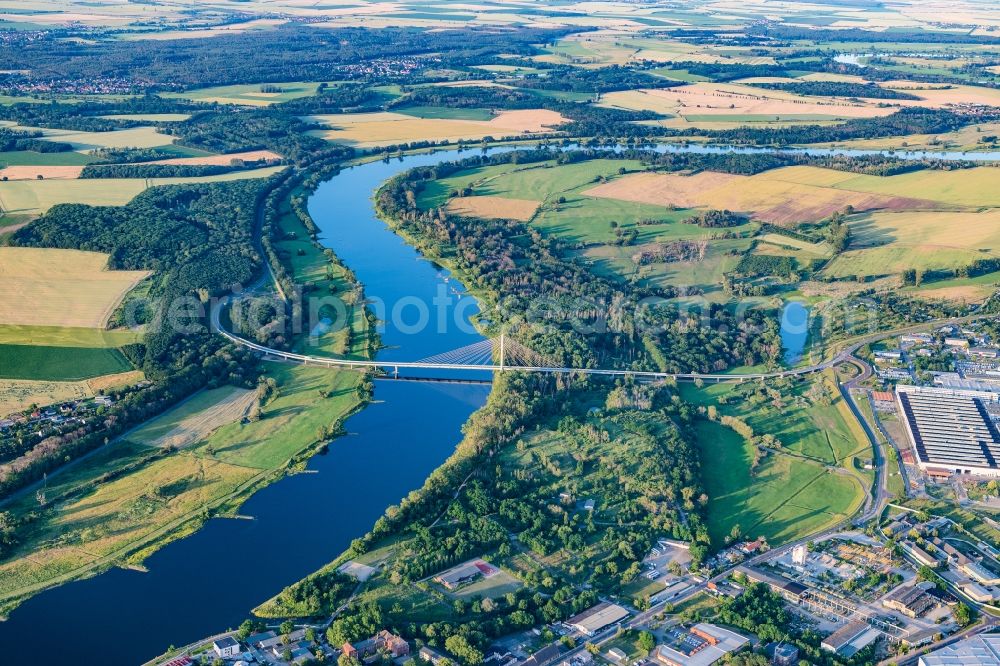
950, 427
981, 650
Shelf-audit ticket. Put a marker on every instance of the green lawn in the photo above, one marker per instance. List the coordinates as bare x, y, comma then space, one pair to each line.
59, 363
785, 498
792, 492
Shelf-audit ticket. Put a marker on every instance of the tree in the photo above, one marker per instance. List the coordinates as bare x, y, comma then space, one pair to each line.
286, 627
963, 614
248, 627
647, 641
463, 650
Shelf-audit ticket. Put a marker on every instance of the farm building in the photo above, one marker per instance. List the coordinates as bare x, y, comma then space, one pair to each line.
951, 430
701, 645
592, 620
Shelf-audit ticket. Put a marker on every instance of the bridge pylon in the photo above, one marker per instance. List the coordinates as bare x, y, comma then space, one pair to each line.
501, 351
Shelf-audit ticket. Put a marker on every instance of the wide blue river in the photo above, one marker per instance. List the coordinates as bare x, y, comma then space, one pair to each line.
211, 580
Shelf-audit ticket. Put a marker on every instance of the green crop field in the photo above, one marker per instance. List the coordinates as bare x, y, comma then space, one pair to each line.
66, 336
32, 158
59, 363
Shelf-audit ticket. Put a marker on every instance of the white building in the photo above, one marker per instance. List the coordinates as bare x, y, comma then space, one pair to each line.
981, 650
226, 648
799, 554
950, 429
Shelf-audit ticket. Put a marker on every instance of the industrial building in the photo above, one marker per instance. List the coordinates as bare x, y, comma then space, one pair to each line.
982, 650
952, 430
910, 600
594, 619
850, 639
701, 645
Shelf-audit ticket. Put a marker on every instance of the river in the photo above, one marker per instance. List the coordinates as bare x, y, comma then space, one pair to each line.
211, 580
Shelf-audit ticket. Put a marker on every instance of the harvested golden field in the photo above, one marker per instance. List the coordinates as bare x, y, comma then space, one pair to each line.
46, 172
32, 197
19, 394
114, 382
222, 160
830, 76
729, 99
941, 95
967, 138
196, 418
767, 197
384, 128
494, 207
49, 287
970, 293
133, 137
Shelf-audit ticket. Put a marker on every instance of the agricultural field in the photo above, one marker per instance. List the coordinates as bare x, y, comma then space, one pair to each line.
60, 288
944, 95
59, 363
39, 172
222, 160
37, 196
385, 128
891, 242
17, 158
972, 137
133, 137
787, 196
251, 94
494, 207
19, 394
972, 188
736, 103
196, 418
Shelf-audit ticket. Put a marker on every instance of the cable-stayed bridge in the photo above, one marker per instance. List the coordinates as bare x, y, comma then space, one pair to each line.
498, 355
